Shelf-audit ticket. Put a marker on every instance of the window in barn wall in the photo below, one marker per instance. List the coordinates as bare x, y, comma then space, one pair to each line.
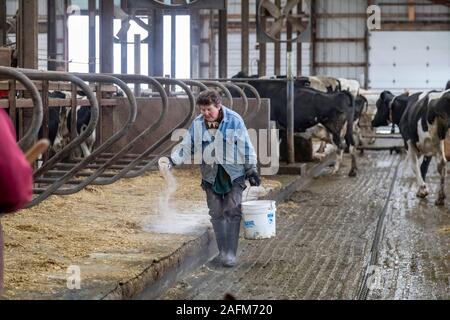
182, 46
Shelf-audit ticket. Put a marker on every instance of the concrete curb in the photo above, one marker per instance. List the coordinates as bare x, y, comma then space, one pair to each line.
164, 273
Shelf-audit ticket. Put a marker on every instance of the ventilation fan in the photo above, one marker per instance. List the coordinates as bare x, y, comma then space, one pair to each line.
271, 21
122, 15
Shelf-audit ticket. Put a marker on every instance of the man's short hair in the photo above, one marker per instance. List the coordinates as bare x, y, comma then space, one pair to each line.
209, 97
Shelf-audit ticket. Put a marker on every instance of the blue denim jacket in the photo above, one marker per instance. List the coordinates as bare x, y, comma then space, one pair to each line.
229, 146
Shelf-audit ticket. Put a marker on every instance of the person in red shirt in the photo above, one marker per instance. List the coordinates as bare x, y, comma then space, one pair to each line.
16, 177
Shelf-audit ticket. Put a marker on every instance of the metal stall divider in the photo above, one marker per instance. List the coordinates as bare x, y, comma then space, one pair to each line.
165, 138
84, 163
113, 158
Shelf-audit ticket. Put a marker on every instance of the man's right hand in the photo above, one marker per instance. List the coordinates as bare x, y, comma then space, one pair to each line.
254, 178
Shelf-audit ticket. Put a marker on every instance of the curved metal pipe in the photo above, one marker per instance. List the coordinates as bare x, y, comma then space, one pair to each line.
126, 172
255, 92
243, 95
104, 146
195, 83
92, 178
28, 139
221, 86
53, 188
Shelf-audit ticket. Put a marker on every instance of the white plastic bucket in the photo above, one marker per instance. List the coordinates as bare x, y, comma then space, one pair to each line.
259, 219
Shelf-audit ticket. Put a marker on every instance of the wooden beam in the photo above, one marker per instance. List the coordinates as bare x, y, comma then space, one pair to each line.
411, 11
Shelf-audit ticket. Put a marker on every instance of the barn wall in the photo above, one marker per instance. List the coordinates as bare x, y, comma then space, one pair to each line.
332, 56
234, 45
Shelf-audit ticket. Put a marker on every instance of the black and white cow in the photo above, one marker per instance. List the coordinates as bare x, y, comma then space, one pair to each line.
448, 85
53, 121
60, 121
424, 126
335, 111
390, 108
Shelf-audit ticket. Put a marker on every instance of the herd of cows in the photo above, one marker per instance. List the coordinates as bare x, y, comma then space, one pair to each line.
329, 109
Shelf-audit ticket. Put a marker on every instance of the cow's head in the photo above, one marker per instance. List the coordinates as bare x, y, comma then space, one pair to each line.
383, 109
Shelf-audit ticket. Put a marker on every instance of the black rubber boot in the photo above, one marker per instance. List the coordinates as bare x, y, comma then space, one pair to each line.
219, 226
233, 228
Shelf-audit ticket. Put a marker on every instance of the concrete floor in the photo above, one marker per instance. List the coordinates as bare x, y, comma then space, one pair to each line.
367, 237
